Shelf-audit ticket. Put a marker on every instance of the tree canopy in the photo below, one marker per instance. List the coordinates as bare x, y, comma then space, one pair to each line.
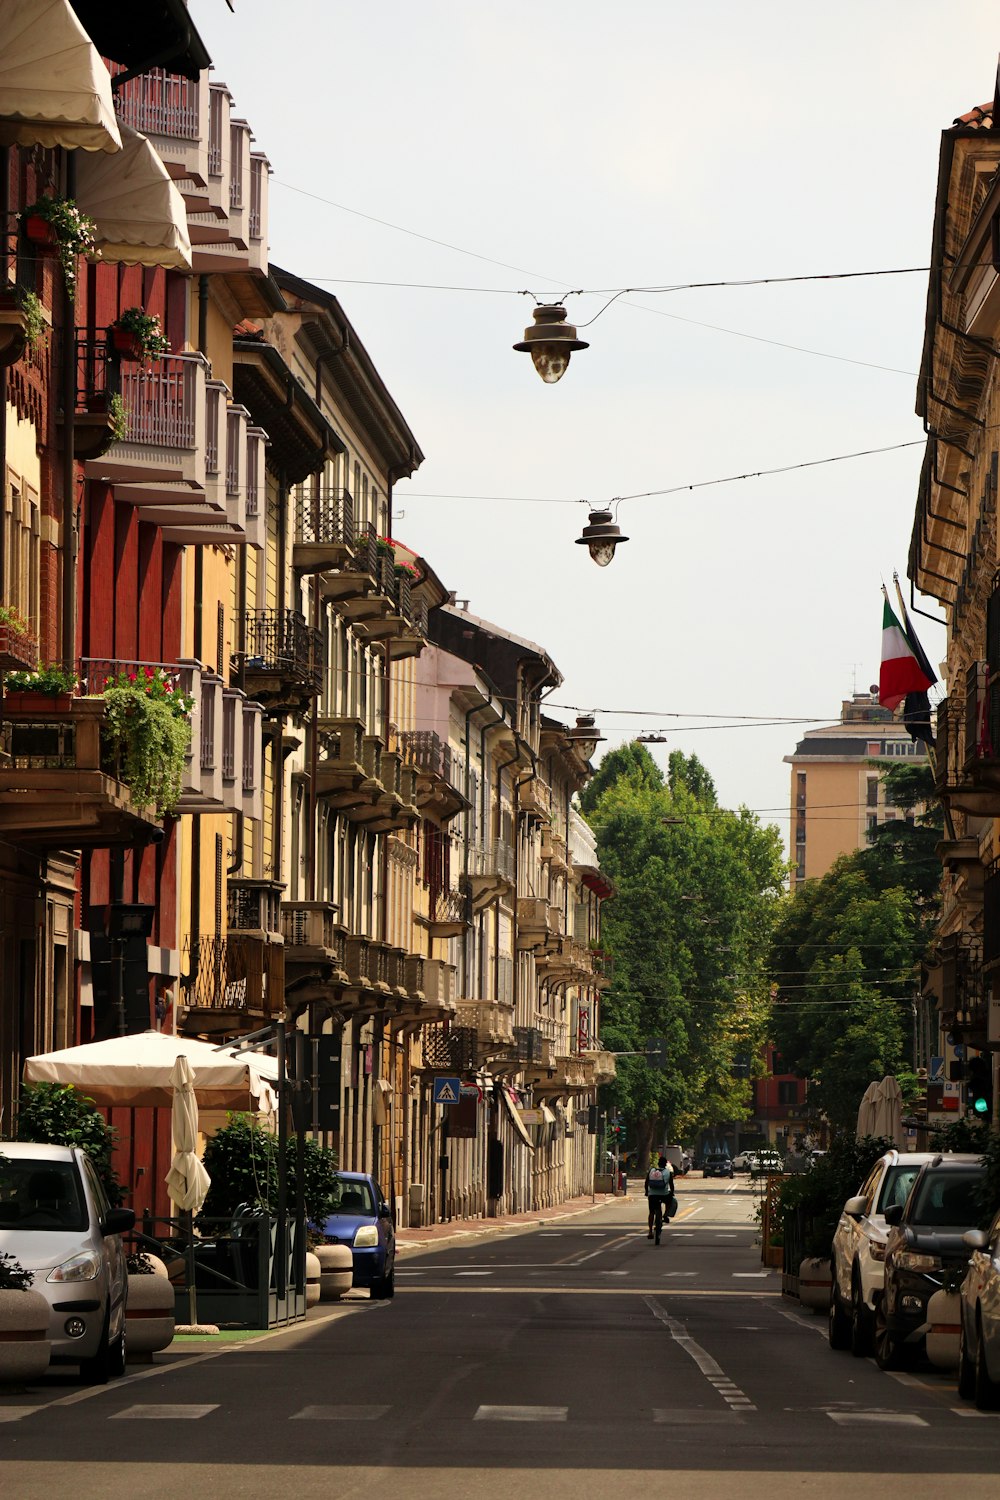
689, 929
846, 950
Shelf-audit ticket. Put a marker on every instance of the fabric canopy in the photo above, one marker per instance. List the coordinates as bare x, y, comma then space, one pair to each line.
136, 1071
889, 1110
54, 88
866, 1112
187, 1181
140, 215
520, 1129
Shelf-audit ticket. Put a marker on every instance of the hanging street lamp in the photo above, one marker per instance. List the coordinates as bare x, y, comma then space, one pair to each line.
601, 536
550, 341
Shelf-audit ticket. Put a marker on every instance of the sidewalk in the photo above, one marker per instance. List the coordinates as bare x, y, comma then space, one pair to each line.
412, 1241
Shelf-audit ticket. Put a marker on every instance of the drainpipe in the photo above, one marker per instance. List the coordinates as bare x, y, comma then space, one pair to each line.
501, 767
70, 517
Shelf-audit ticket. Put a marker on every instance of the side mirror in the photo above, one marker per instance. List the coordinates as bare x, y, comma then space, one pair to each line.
118, 1221
976, 1239
894, 1213
855, 1208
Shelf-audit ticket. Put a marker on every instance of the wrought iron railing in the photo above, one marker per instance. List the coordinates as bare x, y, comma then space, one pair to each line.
279, 641
231, 971
449, 906
326, 516
97, 372
254, 906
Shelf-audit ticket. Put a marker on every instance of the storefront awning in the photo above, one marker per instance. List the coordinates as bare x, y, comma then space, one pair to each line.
54, 88
138, 210
520, 1129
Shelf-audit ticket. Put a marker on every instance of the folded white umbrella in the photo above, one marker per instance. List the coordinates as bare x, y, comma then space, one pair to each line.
866, 1112
889, 1110
187, 1181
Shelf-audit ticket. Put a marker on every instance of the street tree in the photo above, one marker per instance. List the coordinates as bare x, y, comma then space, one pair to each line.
690, 926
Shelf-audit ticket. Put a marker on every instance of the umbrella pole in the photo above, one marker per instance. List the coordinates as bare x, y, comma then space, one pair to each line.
187, 1218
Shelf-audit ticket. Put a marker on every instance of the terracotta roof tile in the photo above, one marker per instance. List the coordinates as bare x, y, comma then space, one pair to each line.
980, 118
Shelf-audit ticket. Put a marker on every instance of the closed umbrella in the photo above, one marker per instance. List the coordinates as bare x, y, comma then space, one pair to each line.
866, 1112
889, 1110
187, 1181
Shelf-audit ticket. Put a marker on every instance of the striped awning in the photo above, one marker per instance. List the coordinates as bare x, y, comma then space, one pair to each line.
138, 210
54, 88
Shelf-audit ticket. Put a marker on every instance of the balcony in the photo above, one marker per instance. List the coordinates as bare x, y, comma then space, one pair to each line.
961, 859
493, 1025
368, 989
165, 438
431, 984
532, 923
234, 982
450, 913
603, 1065
534, 800
96, 382
534, 1050
954, 779
571, 1073
254, 906
437, 796
490, 873
57, 788
566, 960
315, 949
342, 778
18, 649
553, 850
324, 530
374, 599
284, 661
172, 113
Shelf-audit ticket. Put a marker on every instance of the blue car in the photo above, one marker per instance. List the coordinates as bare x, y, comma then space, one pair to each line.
362, 1220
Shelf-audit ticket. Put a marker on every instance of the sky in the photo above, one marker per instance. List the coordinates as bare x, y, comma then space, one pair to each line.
587, 147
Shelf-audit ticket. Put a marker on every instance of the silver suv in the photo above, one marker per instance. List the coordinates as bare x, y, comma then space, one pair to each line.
858, 1252
56, 1220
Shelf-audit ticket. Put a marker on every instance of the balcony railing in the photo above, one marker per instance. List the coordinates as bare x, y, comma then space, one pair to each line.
493, 860
235, 972
313, 924
280, 643
324, 518
160, 403
426, 750
160, 103
254, 905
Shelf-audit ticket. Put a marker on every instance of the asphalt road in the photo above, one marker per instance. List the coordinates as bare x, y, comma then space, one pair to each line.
578, 1358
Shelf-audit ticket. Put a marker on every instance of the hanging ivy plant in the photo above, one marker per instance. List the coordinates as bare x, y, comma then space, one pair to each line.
147, 733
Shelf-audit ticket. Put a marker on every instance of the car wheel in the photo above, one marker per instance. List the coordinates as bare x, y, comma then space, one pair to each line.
839, 1324
861, 1328
117, 1355
384, 1287
886, 1347
97, 1369
966, 1367
987, 1389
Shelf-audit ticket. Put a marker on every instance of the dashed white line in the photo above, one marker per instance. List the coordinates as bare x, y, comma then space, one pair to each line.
876, 1418
162, 1412
521, 1414
710, 1368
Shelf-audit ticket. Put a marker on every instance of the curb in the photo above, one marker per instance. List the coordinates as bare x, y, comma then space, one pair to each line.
493, 1229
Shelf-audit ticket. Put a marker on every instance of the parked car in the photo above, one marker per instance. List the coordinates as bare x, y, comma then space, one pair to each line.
678, 1159
716, 1164
55, 1219
362, 1220
925, 1239
764, 1162
979, 1340
857, 1257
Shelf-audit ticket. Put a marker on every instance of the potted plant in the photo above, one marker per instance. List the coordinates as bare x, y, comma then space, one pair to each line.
139, 335
48, 688
18, 645
58, 222
117, 418
146, 734
25, 1348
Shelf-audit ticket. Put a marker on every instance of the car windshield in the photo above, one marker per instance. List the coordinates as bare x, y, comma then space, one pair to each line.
947, 1198
352, 1197
896, 1186
40, 1195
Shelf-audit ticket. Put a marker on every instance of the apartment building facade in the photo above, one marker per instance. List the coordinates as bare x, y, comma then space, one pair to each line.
343, 861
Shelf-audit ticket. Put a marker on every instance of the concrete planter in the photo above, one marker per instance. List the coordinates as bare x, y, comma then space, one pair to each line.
336, 1271
814, 1283
149, 1317
944, 1314
313, 1274
24, 1343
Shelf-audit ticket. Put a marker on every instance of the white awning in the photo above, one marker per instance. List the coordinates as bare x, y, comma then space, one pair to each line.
520, 1129
139, 213
54, 88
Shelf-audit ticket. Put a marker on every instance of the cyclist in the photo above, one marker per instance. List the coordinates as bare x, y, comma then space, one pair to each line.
659, 1189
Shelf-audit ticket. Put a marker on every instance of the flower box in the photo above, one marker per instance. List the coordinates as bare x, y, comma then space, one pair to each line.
18, 650
126, 344
39, 230
22, 702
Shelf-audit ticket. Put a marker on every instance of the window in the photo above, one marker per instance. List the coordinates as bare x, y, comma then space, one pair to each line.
788, 1093
872, 792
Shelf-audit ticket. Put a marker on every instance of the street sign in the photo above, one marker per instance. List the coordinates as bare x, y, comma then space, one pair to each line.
471, 1091
447, 1090
530, 1116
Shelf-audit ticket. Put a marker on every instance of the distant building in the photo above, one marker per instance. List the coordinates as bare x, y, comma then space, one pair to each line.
837, 797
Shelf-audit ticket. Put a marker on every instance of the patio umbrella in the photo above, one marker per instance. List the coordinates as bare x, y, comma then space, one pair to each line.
889, 1110
866, 1112
187, 1181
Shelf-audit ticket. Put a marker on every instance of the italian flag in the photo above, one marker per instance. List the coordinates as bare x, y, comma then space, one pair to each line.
901, 671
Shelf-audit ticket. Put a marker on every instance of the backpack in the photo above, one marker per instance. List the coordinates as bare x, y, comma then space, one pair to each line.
657, 1185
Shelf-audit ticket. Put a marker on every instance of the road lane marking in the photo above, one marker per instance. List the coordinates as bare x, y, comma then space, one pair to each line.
876, 1418
578, 1260
698, 1417
15, 1413
473, 1273
160, 1411
709, 1367
967, 1411
340, 1413
448, 1288
612, 1273
749, 1275
521, 1414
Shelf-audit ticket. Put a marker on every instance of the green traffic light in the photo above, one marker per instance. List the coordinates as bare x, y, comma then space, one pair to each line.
980, 1105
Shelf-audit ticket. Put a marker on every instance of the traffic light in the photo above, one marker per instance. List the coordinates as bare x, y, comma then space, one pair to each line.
979, 1087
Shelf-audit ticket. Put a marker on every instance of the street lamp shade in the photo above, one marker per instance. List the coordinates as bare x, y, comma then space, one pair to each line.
601, 536
550, 341
585, 736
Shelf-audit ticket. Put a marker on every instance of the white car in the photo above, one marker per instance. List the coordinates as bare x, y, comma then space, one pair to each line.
979, 1357
858, 1252
58, 1224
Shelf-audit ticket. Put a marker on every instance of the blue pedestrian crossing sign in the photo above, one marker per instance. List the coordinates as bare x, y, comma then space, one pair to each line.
447, 1090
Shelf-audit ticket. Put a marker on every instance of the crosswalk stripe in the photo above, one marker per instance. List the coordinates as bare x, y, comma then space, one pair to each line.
876, 1418
521, 1414
159, 1411
340, 1413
